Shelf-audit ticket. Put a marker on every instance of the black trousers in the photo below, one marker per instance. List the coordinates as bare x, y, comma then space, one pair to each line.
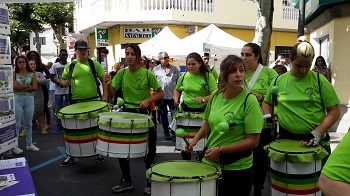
148, 159
235, 182
261, 160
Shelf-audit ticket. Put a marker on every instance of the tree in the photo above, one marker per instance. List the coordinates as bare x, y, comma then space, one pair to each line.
58, 15
263, 29
23, 22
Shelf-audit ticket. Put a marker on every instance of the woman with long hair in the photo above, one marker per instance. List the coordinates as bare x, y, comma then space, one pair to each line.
321, 68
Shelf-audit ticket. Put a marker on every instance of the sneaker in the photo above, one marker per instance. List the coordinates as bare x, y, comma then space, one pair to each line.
48, 127
57, 130
124, 185
23, 133
100, 159
17, 150
32, 147
43, 131
147, 191
69, 161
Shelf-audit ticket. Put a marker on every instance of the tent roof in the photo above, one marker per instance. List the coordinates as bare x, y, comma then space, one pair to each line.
210, 39
159, 43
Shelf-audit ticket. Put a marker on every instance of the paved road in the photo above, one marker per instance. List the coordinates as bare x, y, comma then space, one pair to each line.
87, 177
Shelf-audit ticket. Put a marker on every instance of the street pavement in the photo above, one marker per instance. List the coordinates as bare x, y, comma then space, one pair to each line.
89, 178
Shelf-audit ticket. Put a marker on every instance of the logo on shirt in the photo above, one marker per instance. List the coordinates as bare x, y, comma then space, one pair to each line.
139, 83
310, 92
229, 116
261, 82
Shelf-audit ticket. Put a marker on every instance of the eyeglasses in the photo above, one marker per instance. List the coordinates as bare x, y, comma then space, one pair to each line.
166, 57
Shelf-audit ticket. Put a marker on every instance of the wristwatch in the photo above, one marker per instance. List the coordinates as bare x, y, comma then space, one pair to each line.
203, 100
220, 148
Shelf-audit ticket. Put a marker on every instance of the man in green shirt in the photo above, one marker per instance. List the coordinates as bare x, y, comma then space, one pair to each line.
211, 68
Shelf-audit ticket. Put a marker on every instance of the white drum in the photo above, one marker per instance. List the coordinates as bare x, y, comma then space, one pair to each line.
191, 122
123, 134
180, 178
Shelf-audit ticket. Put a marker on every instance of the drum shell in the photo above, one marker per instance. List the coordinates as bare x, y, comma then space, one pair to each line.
123, 134
80, 137
110, 146
191, 127
207, 188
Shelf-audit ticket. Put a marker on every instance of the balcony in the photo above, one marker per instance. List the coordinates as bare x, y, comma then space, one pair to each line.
104, 14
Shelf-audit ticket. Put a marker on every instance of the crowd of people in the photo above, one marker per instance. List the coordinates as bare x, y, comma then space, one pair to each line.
242, 91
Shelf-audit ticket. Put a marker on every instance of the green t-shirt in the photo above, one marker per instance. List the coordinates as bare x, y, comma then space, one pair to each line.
222, 110
264, 80
213, 71
135, 85
337, 166
83, 83
192, 87
300, 108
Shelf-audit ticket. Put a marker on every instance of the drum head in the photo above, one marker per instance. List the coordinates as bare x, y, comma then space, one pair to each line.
182, 171
292, 151
83, 110
125, 120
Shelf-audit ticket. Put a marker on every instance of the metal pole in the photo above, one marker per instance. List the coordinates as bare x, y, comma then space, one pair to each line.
301, 21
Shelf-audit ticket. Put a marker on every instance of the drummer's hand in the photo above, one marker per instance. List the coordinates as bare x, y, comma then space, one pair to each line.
107, 78
144, 104
258, 96
176, 104
315, 138
66, 83
212, 154
105, 99
197, 99
271, 122
190, 145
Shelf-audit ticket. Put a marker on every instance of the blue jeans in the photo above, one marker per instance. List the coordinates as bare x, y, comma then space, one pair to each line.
165, 103
24, 106
60, 102
52, 98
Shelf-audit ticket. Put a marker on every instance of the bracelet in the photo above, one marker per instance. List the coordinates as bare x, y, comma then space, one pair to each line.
263, 97
108, 83
220, 148
203, 100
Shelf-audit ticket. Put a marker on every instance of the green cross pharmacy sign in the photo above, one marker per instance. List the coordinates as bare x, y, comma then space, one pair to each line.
101, 36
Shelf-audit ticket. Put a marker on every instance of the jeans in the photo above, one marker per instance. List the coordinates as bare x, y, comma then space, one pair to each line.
52, 98
61, 101
24, 106
165, 103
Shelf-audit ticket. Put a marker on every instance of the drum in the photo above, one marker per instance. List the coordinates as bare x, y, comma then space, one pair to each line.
123, 134
191, 122
295, 168
179, 178
80, 128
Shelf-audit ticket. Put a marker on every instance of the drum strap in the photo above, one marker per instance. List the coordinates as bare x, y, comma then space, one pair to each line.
93, 70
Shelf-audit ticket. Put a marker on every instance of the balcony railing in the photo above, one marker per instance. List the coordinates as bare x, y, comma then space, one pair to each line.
290, 13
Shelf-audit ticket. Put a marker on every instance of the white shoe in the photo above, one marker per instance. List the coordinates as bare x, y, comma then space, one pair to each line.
17, 150
31, 147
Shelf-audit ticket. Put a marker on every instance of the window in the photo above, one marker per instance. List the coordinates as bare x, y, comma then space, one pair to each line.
282, 50
42, 40
285, 3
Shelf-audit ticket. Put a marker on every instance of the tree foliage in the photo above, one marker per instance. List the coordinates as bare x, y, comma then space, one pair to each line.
31, 17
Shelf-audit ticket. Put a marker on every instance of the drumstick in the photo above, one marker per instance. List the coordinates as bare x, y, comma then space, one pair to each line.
224, 126
181, 134
274, 92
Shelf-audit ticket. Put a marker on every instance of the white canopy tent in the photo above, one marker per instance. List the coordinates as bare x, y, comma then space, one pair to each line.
210, 39
164, 39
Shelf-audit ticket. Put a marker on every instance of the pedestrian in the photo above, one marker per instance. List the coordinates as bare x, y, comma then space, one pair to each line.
211, 68
321, 68
258, 78
24, 86
136, 91
167, 76
231, 149
198, 84
307, 102
82, 81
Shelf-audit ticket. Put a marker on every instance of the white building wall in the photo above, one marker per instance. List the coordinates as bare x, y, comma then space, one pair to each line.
49, 50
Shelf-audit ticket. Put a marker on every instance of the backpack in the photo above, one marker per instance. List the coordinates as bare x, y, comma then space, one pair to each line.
93, 70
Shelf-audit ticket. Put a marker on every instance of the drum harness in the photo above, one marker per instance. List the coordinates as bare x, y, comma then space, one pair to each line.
286, 153
200, 178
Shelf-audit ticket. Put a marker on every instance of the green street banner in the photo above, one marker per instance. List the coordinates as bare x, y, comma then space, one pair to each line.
101, 36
